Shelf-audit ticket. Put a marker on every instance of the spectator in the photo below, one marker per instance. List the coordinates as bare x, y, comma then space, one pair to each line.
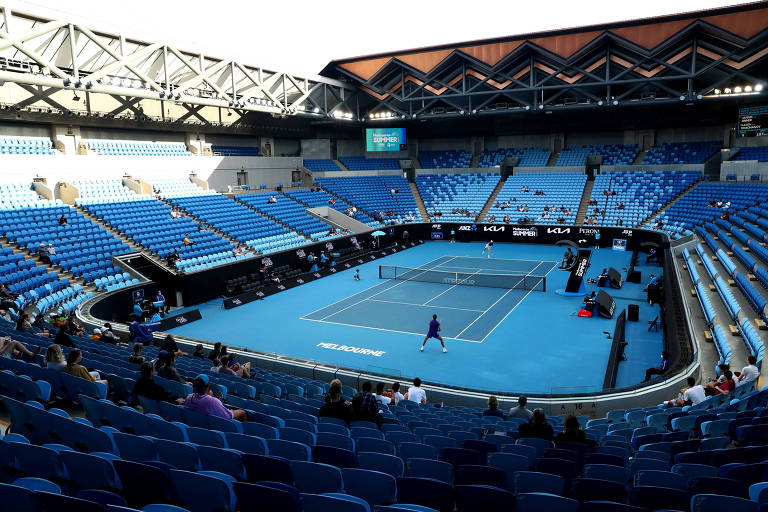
11, 348
156, 317
521, 411
335, 406
236, 368
415, 393
42, 253
73, 328
396, 394
382, 396
198, 351
572, 432
136, 357
96, 336
107, 336
23, 324
187, 241
218, 367
165, 368
216, 352
76, 370
729, 385
63, 339
147, 387
537, 426
658, 370
750, 372
170, 346
691, 395
63, 220
54, 357
493, 408
365, 405
202, 400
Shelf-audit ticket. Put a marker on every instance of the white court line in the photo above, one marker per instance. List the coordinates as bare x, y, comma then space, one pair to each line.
358, 293
420, 334
491, 307
503, 259
520, 302
414, 304
451, 288
384, 290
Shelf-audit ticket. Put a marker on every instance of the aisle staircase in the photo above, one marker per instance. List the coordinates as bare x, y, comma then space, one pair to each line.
553, 159
581, 215
419, 202
341, 165
491, 200
661, 210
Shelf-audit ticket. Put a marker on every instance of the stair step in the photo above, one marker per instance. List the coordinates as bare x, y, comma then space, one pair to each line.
419, 202
581, 214
491, 200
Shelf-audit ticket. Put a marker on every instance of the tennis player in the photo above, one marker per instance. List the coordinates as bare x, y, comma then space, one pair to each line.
488, 247
434, 332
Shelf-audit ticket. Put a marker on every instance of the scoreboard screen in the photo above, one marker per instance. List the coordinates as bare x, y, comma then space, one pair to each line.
753, 121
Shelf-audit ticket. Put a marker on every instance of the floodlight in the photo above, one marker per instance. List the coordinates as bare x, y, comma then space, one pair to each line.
758, 87
737, 89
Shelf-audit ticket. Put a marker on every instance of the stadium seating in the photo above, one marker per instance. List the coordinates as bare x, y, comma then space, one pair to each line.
642, 194
235, 150
21, 195
26, 146
694, 207
560, 190
289, 213
135, 148
759, 153
359, 163
447, 192
448, 159
613, 154
681, 153
321, 164
322, 198
528, 157
374, 193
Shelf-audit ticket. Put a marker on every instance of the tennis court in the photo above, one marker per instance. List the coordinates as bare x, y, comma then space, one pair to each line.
471, 296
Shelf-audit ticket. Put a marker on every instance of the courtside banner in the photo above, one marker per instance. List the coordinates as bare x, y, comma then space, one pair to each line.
180, 319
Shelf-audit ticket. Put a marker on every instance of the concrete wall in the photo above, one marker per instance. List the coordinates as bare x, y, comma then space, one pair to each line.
316, 148
694, 134
744, 169
345, 174
750, 142
218, 171
287, 147
445, 144
471, 170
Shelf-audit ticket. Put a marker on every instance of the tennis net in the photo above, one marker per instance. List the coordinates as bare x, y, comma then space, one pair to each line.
509, 281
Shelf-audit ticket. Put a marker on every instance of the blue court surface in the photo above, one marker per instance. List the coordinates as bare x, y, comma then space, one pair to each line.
498, 338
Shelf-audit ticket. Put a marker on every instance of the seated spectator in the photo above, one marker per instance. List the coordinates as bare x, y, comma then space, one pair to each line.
169, 345
415, 393
384, 397
198, 351
54, 357
727, 386
691, 395
164, 366
272, 199
537, 426
156, 316
335, 406
43, 254
96, 336
23, 324
239, 370
63, 220
136, 357
63, 339
76, 370
658, 370
365, 405
147, 387
750, 372
73, 328
187, 241
216, 352
202, 400
107, 336
572, 432
521, 411
396, 394
14, 349
493, 408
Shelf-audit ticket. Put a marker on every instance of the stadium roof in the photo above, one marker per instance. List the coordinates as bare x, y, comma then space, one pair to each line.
741, 22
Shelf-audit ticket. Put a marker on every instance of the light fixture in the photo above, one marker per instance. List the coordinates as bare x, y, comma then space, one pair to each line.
748, 88
615, 102
758, 87
541, 107
717, 92
699, 96
682, 97
600, 103
461, 112
737, 89
317, 110
474, 111
528, 107
727, 90
75, 97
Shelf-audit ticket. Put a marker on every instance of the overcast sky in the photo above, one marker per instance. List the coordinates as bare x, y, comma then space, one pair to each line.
302, 36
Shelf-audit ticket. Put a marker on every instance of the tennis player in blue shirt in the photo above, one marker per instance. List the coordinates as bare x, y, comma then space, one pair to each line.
434, 332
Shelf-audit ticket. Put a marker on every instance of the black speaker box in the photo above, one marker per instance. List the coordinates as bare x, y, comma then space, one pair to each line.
633, 313
615, 278
605, 304
634, 276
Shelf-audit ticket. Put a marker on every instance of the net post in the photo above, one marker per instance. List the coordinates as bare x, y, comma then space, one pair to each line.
543, 283
380, 272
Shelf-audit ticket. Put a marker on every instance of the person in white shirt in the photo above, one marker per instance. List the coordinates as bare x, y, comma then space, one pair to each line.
750, 372
692, 395
397, 396
415, 393
382, 396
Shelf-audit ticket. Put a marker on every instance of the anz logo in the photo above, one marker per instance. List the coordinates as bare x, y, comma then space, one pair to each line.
493, 228
473, 227
559, 231
437, 226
